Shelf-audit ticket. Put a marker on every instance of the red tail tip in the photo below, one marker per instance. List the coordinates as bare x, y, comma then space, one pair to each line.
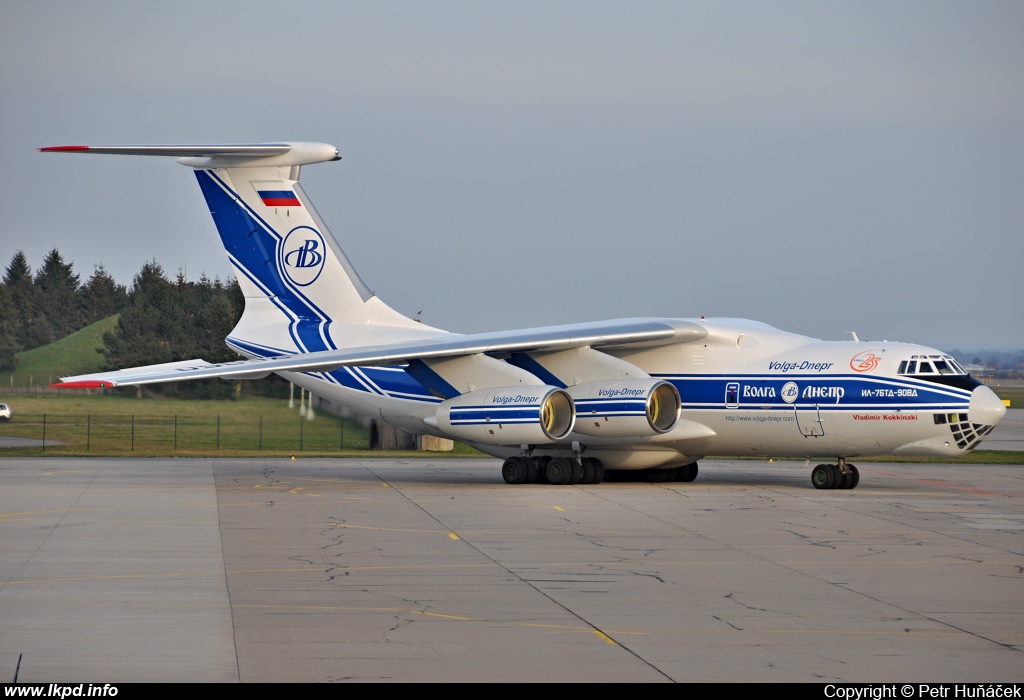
64, 148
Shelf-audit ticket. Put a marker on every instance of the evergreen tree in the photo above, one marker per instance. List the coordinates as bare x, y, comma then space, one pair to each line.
8, 325
56, 295
145, 333
18, 271
214, 322
100, 297
236, 297
18, 281
36, 332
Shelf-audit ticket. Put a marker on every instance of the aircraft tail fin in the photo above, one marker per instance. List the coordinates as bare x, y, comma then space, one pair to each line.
296, 279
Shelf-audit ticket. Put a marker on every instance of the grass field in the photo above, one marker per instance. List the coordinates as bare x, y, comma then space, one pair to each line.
1015, 395
121, 425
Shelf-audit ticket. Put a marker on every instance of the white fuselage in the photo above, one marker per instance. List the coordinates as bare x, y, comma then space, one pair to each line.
746, 389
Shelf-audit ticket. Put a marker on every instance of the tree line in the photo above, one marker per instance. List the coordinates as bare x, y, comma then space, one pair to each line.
37, 309
161, 319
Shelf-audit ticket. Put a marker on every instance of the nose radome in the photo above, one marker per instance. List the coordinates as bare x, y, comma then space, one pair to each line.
986, 408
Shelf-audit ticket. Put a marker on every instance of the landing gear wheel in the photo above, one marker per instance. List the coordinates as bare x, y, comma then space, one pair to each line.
577, 472
854, 476
657, 476
559, 471
533, 470
598, 471
842, 481
837, 476
687, 473
588, 470
849, 478
515, 470
542, 469
823, 477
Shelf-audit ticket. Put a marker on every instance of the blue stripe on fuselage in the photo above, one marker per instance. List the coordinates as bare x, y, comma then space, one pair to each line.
829, 392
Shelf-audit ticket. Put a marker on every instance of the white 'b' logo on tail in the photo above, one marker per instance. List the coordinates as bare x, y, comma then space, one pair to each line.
302, 255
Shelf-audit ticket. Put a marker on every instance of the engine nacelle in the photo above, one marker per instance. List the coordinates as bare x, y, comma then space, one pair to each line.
509, 415
626, 407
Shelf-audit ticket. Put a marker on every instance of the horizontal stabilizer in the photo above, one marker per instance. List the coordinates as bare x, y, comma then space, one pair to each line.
622, 333
232, 155
258, 150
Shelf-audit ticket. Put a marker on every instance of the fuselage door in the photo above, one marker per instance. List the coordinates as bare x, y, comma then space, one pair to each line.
732, 395
808, 421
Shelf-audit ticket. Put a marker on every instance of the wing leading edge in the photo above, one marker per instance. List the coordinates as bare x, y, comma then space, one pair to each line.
605, 334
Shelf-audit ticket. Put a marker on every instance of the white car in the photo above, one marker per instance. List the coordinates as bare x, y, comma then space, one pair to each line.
5, 413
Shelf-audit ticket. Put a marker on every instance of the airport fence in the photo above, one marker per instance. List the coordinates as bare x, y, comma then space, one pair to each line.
144, 434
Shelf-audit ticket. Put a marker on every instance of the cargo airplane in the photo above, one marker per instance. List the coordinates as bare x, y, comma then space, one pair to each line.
559, 404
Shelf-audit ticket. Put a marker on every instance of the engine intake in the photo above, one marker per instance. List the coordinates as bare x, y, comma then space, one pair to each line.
626, 408
509, 415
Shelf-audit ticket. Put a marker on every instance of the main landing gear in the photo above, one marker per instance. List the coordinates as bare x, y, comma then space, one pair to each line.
552, 470
835, 476
570, 471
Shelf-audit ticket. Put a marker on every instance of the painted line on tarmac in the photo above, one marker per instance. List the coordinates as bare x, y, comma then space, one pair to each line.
388, 529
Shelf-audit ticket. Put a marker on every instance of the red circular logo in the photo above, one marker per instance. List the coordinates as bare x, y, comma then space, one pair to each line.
864, 362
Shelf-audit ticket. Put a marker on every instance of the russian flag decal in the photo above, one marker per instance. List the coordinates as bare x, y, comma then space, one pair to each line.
279, 198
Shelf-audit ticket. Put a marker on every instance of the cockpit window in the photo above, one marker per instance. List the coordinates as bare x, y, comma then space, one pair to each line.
930, 364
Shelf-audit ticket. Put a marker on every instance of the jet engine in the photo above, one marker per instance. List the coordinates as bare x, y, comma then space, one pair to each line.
519, 415
626, 407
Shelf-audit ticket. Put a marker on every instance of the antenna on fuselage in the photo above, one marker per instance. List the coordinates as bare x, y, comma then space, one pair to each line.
853, 334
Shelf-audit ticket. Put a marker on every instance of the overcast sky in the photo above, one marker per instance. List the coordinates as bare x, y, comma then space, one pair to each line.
823, 167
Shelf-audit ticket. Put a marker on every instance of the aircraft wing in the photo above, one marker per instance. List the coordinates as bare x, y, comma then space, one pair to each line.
604, 334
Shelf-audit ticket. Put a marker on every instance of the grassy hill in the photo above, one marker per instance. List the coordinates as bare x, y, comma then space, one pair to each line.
75, 354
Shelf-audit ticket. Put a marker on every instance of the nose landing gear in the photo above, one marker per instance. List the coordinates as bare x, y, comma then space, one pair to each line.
835, 476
